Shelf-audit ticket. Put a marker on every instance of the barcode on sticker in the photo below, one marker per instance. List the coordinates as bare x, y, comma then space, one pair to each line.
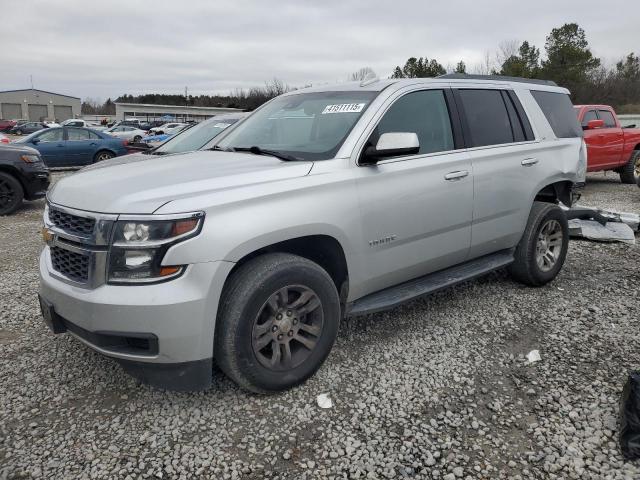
344, 108
221, 125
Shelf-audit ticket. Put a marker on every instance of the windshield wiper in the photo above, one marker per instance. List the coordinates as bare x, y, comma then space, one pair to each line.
273, 153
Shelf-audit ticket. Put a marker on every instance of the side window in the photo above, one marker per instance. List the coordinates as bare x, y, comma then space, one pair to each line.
51, 136
558, 110
94, 135
78, 134
487, 117
424, 113
590, 115
607, 116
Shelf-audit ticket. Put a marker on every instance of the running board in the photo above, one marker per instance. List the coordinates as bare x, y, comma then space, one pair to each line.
394, 296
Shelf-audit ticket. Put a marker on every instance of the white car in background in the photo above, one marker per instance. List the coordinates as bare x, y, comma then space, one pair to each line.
79, 122
168, 128
126, 132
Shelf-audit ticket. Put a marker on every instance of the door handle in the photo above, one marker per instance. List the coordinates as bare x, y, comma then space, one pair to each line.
456, 175
529, 162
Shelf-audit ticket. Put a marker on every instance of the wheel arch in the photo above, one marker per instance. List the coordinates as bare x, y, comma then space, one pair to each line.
16, 174
560, 191
323, 249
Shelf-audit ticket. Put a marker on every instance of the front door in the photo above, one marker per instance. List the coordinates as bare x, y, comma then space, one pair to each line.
50, 144
416, 210
612, 139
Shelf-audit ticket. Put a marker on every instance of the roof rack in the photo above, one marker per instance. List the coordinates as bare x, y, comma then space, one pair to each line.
503, 78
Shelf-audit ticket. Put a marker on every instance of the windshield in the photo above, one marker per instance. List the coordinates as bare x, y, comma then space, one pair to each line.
195, 137
307, 126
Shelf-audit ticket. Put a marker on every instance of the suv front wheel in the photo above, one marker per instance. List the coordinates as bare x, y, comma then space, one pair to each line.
543, 248
277, 322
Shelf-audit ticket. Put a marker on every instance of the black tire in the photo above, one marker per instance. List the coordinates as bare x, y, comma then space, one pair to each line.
18, 132
137, 138
244, 304
526, 268
630, 173
11, 193
102, 155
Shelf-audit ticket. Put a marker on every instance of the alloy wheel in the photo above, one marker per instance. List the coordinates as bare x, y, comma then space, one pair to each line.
287, 328
7, 194
549, 245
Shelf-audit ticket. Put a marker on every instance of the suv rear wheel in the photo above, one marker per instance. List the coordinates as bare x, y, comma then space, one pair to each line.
630, 173
277, 322
11, 193
543, 248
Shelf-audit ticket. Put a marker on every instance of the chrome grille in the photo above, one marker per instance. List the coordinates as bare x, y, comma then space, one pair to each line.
72, 265
71, 223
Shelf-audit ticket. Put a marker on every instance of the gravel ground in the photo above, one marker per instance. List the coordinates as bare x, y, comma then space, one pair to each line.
439, 388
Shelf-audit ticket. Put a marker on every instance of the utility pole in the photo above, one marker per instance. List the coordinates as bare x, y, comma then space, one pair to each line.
186, 103
31, 80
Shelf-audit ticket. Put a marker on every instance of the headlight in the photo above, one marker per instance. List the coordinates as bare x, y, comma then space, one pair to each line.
31, 158
139, 245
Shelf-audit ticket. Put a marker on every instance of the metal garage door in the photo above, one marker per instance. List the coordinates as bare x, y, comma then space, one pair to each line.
62, 112
37, 112
11, 111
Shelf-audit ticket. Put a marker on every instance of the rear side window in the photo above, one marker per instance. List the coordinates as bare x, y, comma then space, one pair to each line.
94, 135
424, 113
607, 116
78, 134
487, 117
558, 110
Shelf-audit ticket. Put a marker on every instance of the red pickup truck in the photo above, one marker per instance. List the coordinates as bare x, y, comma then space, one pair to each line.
609, 145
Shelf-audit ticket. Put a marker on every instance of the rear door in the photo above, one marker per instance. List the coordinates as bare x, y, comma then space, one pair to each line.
612, 138
78, 147
416, 210
506, 165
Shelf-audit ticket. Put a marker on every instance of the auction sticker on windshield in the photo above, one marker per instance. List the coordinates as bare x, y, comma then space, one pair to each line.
344, 108
221, 125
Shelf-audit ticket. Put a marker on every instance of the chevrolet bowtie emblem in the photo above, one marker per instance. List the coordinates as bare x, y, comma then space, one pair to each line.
47, 236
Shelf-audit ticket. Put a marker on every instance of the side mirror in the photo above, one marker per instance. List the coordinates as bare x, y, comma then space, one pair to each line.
593, 124
390, 145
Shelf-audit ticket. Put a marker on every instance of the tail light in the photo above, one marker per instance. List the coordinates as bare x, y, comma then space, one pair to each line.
4, 140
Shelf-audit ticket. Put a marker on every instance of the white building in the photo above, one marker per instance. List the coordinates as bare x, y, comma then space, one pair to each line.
176, 112
37, 105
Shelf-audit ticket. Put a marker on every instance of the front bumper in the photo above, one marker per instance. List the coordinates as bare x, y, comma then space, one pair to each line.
175, 320
36, 183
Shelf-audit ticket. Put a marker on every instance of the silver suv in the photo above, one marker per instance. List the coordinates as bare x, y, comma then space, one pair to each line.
325, 202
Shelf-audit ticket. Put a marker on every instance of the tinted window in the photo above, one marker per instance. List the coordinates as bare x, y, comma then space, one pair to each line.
516, 124
607, 116
590, 115
558, 109
487, 117
51, 136
78, 134
424, 113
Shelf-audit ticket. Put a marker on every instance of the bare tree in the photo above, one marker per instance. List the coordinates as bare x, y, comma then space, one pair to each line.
506, 50
486, 67
362, 74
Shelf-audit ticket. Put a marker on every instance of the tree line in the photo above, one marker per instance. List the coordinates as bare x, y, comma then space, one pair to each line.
568, 61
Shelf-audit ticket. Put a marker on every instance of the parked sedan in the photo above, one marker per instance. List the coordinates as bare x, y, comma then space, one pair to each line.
126, 132
27, 128
72, 146
169, 128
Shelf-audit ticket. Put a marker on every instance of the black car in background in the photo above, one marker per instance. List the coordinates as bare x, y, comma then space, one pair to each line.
23, 176
27, 128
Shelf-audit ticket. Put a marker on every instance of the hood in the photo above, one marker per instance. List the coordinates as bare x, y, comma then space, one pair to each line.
145, 184
17, 147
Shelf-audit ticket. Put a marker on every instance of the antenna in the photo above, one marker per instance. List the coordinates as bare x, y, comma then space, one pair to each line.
31, 79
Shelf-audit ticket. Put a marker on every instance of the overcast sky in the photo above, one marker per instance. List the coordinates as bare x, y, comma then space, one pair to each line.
107, 48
